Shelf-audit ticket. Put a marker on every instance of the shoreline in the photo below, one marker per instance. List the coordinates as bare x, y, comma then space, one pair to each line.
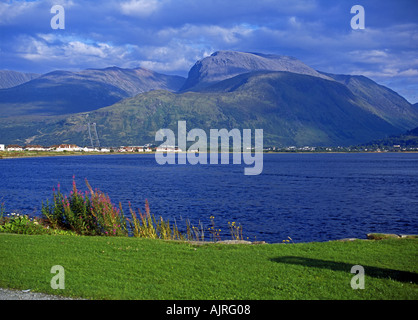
68, 154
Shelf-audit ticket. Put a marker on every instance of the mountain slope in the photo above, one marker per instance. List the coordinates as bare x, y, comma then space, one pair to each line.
381, 101
9, 78
223, 65
292, 109
408, 139
62, 92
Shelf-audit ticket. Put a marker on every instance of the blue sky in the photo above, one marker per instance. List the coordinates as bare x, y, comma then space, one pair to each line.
168, 36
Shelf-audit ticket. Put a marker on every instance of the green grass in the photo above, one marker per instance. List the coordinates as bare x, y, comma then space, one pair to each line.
30, 154
135, 268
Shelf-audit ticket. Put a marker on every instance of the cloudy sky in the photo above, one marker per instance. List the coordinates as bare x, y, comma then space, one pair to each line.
168, 36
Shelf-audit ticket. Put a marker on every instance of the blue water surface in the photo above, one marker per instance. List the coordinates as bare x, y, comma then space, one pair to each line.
308, 197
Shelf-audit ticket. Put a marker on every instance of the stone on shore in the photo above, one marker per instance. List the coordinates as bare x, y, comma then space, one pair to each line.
234, 242
382, 236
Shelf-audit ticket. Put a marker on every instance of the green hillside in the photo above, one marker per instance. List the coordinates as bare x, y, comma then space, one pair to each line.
292, 109
408, 139
381, 101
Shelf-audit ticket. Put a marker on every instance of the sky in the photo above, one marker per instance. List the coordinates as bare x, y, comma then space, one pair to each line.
169, 36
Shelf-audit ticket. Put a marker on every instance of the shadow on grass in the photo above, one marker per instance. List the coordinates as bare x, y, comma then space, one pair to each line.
403, 276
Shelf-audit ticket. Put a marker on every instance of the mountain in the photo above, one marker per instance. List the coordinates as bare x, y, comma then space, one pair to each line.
9, 78
223, 65
413, 132
292, 109
407, 139
293, 103
63, 92
380, 100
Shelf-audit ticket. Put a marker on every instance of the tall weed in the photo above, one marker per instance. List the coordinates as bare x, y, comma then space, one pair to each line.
88, 213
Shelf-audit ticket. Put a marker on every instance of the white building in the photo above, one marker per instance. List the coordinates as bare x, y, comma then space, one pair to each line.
168, 149
133, 149
35, 148
67, 147
126, 149
14, 147
1, 147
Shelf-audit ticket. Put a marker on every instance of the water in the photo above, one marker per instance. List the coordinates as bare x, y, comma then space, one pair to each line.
308, 197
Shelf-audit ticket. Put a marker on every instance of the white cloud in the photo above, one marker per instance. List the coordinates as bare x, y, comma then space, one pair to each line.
294, 22
211, 34
62, 52
78, 48
10, 11
141, 8
387, 72
174, 57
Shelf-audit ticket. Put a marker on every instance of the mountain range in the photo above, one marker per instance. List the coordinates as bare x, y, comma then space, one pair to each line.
63, 92
293, 104
9, 78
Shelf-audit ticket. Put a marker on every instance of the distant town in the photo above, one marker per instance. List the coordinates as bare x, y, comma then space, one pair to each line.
75, 148
153, 148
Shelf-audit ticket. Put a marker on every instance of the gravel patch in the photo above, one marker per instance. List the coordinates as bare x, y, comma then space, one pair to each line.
11, 294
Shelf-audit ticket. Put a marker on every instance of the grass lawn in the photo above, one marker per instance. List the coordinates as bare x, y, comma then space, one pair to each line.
135, 268
30, 154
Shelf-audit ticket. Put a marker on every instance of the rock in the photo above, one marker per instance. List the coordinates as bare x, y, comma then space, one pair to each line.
409, 236
347, 239
381, 236
234, 242
258, 242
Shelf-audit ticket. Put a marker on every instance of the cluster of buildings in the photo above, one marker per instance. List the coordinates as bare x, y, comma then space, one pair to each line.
152, 148
370, 148
56, 148
148, 148
73, 147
